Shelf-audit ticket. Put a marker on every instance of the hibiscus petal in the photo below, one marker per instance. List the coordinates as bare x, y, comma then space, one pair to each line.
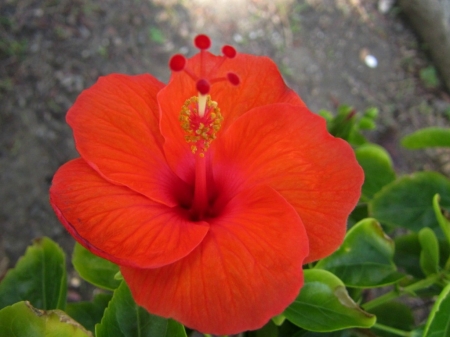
247, 269
116, 130
288, 148
119, 224
260, 84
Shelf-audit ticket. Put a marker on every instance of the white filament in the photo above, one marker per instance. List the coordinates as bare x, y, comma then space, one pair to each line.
201, 104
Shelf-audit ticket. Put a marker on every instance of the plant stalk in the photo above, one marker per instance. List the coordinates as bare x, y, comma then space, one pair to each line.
393, 294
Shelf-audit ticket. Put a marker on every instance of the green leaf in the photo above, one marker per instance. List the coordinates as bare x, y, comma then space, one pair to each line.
428, 137
87, 313
444, 223
278, 320
39, 277
365, 259
268, 330
124, 318
429, 77
438, 323
324, 305
359, 213
94, 269
407, 202
393, 314
407, 254
429, 256
341, 333
343, 123
377, 166
23, 320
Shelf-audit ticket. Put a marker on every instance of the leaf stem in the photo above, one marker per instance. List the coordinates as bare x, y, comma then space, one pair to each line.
393, 294
392, 330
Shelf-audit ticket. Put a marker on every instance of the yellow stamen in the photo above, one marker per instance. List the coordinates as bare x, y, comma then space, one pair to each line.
200, 128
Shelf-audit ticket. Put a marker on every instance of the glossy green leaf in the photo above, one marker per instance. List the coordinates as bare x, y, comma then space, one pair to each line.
90, 313
124, 318
443, 221
393, 314
268, 330
343, 123
429, 256
428, 137
323, 305
377, 166
23, 320
278, 320
94, 269
407, 202
407, 254
438, 324
365, 259
38, 277
341, 333
359, 213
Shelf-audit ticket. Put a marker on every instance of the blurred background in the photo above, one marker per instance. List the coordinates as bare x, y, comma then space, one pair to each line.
358, 52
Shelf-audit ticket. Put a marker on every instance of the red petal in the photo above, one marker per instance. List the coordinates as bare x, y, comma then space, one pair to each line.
119, 224
288, 148
260, 84
247, 269
116, 130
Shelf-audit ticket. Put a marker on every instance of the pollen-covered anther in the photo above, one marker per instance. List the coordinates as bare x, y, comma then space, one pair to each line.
200, 130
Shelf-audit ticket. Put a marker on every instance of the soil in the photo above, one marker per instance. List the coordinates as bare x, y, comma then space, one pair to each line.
50, 50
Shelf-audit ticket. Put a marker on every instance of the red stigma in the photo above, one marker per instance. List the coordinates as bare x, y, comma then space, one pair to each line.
229, 51
202, 42
203, 86
177, 62
233, 79
205, 78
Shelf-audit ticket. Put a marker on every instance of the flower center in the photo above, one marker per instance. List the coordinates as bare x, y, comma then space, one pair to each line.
201, 118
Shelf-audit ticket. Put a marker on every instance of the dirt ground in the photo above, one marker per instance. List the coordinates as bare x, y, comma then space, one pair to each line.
50, 50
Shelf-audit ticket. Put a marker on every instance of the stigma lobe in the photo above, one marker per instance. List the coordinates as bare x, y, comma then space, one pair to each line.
203, 81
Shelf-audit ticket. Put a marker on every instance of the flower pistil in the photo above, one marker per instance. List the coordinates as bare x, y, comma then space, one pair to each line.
200, 116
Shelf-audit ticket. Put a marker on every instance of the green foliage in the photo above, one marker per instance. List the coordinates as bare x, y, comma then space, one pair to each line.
428, 137
268, 330
39, 277
407, 254
89, 313
156, 35
324, 305
443, 221
377, 166
94, 269
124, 318
348, 124
429, 256
403, 318
407, 201
365, 259
438, 323
429, 77
23, 320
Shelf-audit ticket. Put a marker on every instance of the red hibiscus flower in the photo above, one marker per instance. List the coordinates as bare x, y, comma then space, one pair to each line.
209, 192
